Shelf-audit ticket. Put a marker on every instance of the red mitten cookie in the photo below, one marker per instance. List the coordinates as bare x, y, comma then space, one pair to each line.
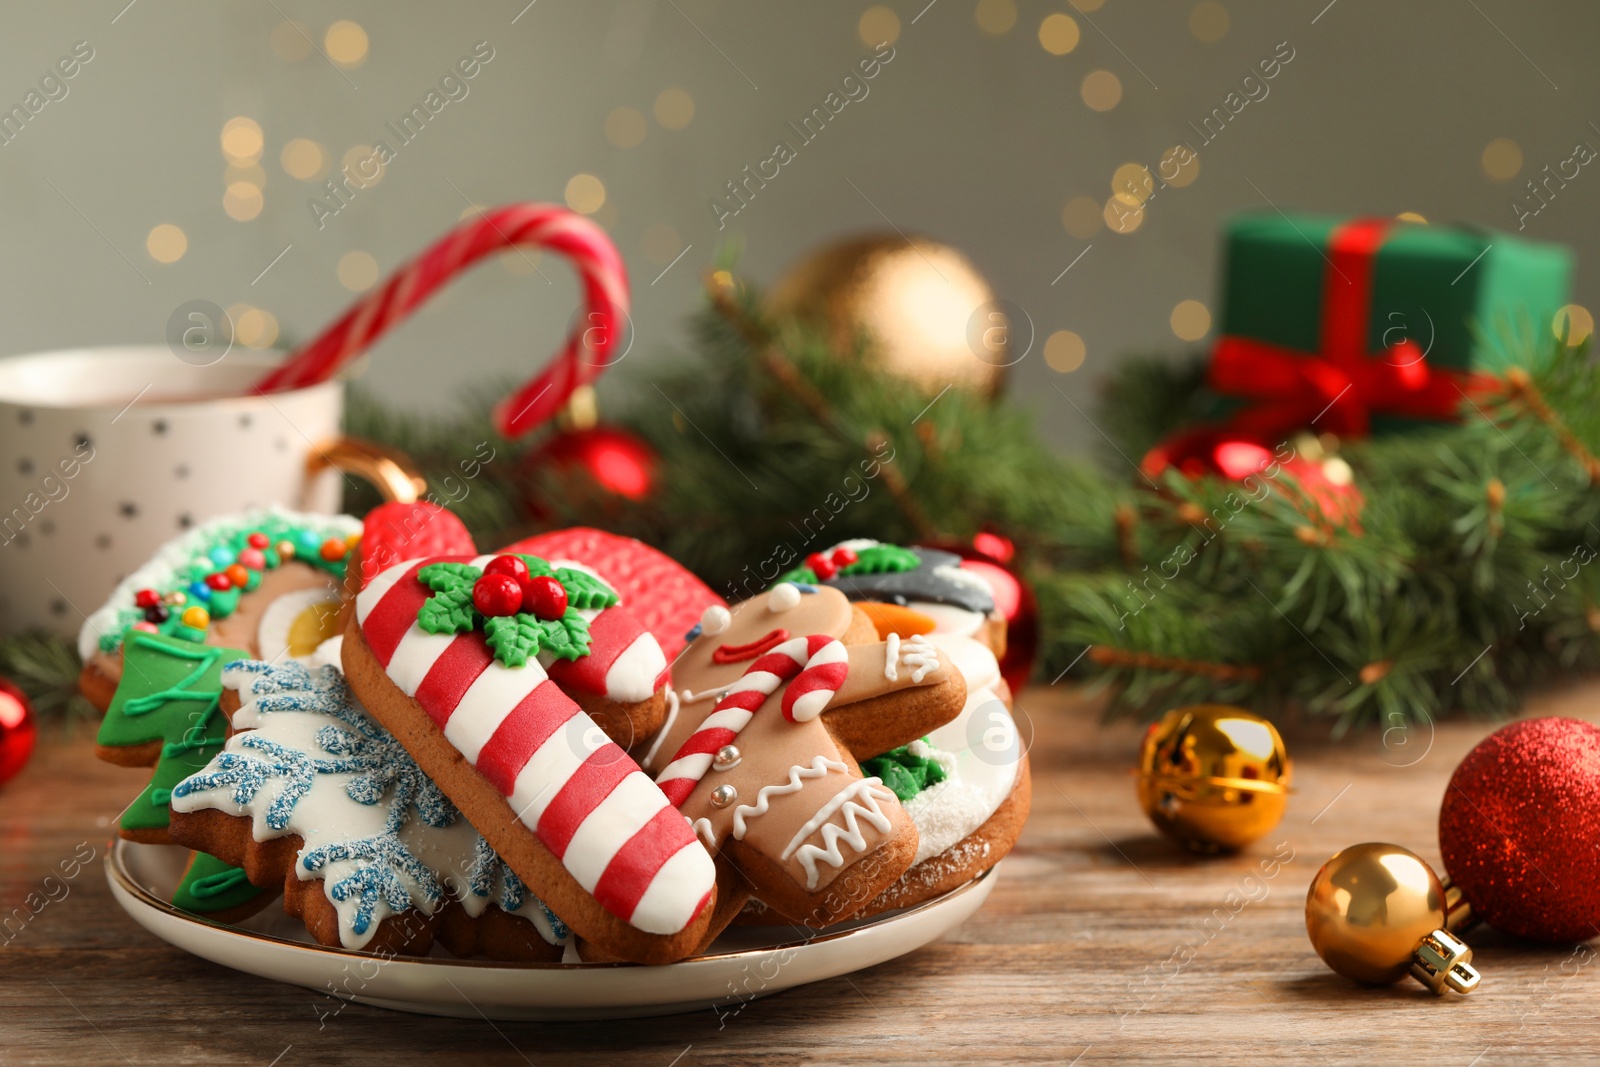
395, 532
665, 596
777, 698
480, 697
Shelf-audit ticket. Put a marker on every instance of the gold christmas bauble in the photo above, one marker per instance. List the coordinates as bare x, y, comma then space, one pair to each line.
1376, 913
930, 316
1213, 777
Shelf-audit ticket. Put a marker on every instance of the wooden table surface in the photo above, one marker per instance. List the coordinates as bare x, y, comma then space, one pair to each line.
1101, 942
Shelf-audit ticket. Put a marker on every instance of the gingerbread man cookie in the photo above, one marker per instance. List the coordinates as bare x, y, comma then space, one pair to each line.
474, 664
314, 796
776, 699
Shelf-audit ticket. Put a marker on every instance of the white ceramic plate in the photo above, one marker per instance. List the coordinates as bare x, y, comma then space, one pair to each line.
745, 963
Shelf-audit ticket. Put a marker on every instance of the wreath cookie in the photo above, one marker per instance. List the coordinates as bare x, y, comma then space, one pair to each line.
909, 590
314, 796
266, 582
776, 700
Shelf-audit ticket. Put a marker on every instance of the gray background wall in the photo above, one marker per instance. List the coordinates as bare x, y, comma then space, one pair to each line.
973, 137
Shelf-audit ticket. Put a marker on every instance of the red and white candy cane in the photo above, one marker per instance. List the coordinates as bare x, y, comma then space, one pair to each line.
587, 351
818, 664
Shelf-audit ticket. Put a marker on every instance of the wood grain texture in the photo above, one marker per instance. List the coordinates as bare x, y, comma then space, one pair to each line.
1100, 941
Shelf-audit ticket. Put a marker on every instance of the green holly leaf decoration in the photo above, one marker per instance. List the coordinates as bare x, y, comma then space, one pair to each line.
883, 559
905, 774
584, 591
566, 637
537, 568
514, 639
448, 612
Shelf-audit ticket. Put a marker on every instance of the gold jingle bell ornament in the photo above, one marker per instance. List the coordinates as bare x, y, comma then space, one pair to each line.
1214, 777
1376, 913
930, 315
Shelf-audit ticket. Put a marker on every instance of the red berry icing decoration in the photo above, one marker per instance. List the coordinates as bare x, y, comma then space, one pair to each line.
544, 598
258, 540
496, 595
219, 581
253, 558
146, 598
510, 566
821, 565
333, 549
237, 574
843, 557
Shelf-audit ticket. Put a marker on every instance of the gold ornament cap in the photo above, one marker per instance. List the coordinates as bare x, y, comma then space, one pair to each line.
1214, 777
1377, 912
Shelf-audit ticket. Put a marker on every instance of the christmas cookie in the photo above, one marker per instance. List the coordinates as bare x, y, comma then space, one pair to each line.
966, 788
665, 597
776, 699
909, 590
474, 664
219, 584
312, 795
165, 714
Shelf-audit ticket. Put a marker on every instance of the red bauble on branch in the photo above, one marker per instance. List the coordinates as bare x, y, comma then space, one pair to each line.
19, 729
1519, 829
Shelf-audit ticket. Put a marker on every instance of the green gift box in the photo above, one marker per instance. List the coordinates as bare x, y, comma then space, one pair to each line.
1376, 319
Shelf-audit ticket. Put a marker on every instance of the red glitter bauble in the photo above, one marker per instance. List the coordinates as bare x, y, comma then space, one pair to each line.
18, 729
1520, 829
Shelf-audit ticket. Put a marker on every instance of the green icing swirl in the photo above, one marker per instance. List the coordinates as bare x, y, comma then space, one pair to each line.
905, 774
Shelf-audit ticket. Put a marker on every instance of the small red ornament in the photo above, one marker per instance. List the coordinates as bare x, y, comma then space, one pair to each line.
1519, 829
258, 540
544, 598
821, 565
146, 598
511, 566
843, 557
614, 462
253, 558
19, 729
497, 594
1321, 486
219, 581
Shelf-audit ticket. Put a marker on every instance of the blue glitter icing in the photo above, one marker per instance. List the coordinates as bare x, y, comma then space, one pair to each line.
803, 587
388, 872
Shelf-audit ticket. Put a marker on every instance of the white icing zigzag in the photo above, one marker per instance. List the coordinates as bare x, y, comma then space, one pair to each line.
798, 775
858, 800
920, 655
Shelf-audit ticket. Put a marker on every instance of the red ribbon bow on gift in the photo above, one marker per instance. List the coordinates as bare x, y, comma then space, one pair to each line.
1340, 386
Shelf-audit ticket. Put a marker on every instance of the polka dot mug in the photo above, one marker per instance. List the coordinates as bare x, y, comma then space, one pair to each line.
107, 453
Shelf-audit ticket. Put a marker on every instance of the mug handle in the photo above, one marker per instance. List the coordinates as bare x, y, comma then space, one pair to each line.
393, 473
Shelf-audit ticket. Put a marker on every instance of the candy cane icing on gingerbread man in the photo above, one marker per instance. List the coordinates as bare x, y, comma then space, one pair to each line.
764, 770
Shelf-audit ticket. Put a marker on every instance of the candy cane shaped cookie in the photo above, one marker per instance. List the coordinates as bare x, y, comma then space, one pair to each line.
470, 691
590, 347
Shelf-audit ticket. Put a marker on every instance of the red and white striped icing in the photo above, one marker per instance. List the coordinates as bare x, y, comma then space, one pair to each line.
588, 802
818, 664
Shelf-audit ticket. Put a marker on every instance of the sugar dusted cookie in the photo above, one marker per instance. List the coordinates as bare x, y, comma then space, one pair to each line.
776, 698
313, 795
